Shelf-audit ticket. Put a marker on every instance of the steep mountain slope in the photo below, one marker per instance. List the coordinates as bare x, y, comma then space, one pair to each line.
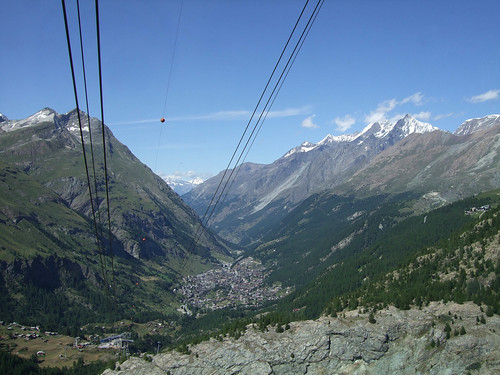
475, 124
263, 194
47, 147
417, 318
48, 249
342, 234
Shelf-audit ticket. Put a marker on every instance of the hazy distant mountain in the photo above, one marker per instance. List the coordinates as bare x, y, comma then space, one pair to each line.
180, 185
263, 194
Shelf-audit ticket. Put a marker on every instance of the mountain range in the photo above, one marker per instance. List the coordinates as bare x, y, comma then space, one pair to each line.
369, 234
413, 156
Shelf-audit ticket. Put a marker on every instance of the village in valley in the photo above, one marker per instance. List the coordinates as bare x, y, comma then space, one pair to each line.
240, 284
56, 349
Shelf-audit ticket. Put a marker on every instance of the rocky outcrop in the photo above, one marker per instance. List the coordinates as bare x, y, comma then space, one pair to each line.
399, 342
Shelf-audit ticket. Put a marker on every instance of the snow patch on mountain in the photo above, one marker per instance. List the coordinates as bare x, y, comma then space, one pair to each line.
44, 115
475, 124
409, 125
75, 128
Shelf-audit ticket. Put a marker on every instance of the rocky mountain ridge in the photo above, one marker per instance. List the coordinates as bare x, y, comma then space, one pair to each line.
261, 193
442, 165
475, 124
393, 341
264, 194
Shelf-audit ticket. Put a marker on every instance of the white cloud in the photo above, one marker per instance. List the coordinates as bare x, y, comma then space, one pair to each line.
288, 112
396, 117
308, 122
135, 122
422, 116
443, 115
488, 95
416, 99
380, 113
375, 116
344, 123
222, 116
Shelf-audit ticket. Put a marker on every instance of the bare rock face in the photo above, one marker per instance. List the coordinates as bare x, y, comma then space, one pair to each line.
402, 342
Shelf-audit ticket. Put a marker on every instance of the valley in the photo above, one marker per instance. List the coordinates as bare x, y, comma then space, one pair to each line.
347, 232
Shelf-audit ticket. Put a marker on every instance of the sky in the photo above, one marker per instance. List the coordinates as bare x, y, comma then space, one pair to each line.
203, 65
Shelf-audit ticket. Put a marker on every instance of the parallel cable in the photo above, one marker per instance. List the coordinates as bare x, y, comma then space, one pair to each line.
96, 189
205, 219
291, 58
272, 102
81, 132
203, 222
254, 111
104, 141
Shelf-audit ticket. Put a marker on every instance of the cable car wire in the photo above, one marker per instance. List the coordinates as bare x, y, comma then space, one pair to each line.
266, 108
106, 179
207, 216
294, 56
75, 91
96, 190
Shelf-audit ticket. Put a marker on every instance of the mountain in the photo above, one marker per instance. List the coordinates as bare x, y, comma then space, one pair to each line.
48, 229
420, 173
441, 166
181, 186
263, 194
435, 312
47, 146
473, 125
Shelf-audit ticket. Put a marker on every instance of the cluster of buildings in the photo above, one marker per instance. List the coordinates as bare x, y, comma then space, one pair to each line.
472, 210
238, 285
27, 333
120, 341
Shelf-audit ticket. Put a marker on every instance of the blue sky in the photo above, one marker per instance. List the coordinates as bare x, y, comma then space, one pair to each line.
363, 61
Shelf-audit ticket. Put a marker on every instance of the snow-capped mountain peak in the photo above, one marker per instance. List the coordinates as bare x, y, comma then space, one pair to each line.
381, 129
180, 185
46, 114
475, 124
409, 125
338, 138
304, 147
